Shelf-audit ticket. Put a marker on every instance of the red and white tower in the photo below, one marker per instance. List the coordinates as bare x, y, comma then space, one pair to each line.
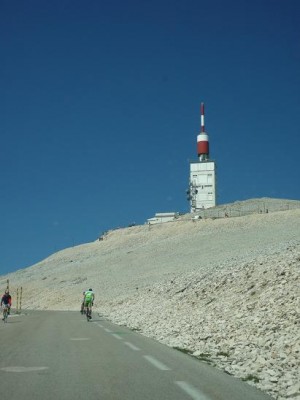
202, 185
202, 139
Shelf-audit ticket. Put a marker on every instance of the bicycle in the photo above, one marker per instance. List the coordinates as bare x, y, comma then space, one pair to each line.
5, 313
88, 312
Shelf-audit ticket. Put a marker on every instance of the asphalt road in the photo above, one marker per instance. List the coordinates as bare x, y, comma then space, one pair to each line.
59, 355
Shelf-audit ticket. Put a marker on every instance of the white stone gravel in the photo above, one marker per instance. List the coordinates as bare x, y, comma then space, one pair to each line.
227, 291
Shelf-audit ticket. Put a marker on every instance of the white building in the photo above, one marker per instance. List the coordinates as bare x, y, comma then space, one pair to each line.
202, 184
162, 217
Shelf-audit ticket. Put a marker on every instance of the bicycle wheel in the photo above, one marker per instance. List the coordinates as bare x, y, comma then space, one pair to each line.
5, 314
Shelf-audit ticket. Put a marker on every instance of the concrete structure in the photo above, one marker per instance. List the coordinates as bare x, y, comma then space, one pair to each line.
202, 184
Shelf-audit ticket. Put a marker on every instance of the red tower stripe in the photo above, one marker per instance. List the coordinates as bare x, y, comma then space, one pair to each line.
203, 147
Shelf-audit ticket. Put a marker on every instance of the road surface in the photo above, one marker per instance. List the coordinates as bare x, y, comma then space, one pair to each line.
59, 355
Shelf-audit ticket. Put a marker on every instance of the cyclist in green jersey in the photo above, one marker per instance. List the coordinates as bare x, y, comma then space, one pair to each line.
89, 298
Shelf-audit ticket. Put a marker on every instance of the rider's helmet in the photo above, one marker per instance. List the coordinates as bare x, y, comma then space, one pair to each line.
6, 291
90, 290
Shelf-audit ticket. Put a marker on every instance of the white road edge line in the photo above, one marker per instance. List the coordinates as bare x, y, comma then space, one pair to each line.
100, 326
108, 330
194, 393
157, 363
132, 346
115, 335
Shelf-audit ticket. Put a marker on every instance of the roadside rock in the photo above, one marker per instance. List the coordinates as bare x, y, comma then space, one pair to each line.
218, 318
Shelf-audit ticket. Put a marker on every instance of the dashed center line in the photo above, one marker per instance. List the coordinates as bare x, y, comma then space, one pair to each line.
157, 363
115, 335
190, 390
194, 393
23, 369
132, 346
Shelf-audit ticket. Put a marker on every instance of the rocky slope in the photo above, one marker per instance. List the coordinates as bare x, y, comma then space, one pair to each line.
224, 290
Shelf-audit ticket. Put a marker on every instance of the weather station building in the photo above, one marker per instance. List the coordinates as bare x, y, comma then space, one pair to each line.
202, 184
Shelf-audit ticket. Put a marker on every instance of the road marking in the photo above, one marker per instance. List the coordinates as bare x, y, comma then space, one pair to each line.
157, 363
108, 330
132, 346
80, 338
101, 326
23, 369
115, 335
194, 393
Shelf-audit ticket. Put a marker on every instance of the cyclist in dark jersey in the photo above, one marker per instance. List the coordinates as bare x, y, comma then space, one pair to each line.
6, 300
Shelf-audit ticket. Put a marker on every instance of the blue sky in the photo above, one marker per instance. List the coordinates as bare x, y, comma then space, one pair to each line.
99, 112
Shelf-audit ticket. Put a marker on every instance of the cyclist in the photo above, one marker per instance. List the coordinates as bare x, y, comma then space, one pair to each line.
82, 303
6, 301
89, 298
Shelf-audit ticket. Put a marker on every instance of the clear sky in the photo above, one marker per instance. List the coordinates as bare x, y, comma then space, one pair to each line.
99, 112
